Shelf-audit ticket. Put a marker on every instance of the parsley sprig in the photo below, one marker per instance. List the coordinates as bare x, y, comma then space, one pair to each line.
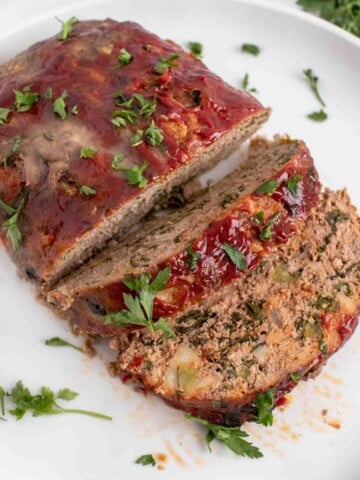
10, 225
66, 28
25, 99
250, 48
4, 115
193, 258
147, 459
236, 256
265, 403
266, 233
124, 57
163, 64
59, 105
140, 308
232, 437
313, 82
319, 116
154, 135
196, 49
245, 84
292, 184
59, 342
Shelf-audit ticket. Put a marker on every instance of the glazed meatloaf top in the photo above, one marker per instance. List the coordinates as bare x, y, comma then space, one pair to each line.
266, 330
221, 235
94, 127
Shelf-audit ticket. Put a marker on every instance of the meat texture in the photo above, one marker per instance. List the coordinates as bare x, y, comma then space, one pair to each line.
94, 128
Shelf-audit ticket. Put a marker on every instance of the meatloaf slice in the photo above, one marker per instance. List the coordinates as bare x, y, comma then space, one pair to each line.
266, 331
250, 211
94, 128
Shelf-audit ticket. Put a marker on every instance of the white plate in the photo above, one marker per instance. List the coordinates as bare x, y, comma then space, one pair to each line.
301, 444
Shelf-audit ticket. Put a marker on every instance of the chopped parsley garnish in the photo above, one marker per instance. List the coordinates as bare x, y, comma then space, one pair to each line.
88, 152
119, 122
292, 184
319, 116
75, 110
127, 116
59, 342
154, 135
146, 460
147, 107
232, 437
268, 187
236, 256
45, 402
4, 115
66, 28
137, 138
193, 258
196, 49
48, 93
313, 80
140, 308
25, 99
86, 190
116, 162
134, 175
250, 48
266, 233
13, 150
245, 84
120, 100
124, 57
164, 64
295, 377
10, 225
59, 106
259, 217
265, 403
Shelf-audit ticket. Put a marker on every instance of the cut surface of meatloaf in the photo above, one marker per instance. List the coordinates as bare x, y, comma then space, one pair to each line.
270, 329
250, 211
95, 128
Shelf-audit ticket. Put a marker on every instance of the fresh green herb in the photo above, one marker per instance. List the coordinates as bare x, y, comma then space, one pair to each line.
266, 233
236, 256
48, 93
59, 106
194, 257
119, 122
88, 152
25, 99
146, 460
137, 138
196, 49
2, 401
232, 437
259, 217
148, 107
343, 13
59, 342
45, 402
250, 48
4, 115
13, 231
245, 84
85, 190
66, 28
265, 403
295, 377
313, 81
164, 64
292, 184
127, 115
13, 150
319, 116
116, 162
268, 187
49, 136
120, 100
134, 175
125, 57
140, 308
154, 135
75, 110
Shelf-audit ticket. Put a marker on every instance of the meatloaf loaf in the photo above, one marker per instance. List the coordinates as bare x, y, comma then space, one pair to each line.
270, 329
246, 214
95, 124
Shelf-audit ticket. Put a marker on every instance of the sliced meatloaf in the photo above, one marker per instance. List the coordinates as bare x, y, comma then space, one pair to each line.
95, 124
266, 331
246, 214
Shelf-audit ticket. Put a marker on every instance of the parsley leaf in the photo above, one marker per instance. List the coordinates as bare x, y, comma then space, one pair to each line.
134, 175
266, 233
67, 28
232, 437
124, 57
313, 80
236, 256
48, 93
319, 116
86, 190
154, 135
259, 217
148, 107
137, 138
292, 184
4, 114
140, 308
196, 49
295, 377
59, 342
126, 115
45, 402
13, 232
75, 110
265, 403
25, 99
250, 48
88, 152
59, 106
116, 162
245, 85
146, 460
268, 187
193, 258
163, 64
